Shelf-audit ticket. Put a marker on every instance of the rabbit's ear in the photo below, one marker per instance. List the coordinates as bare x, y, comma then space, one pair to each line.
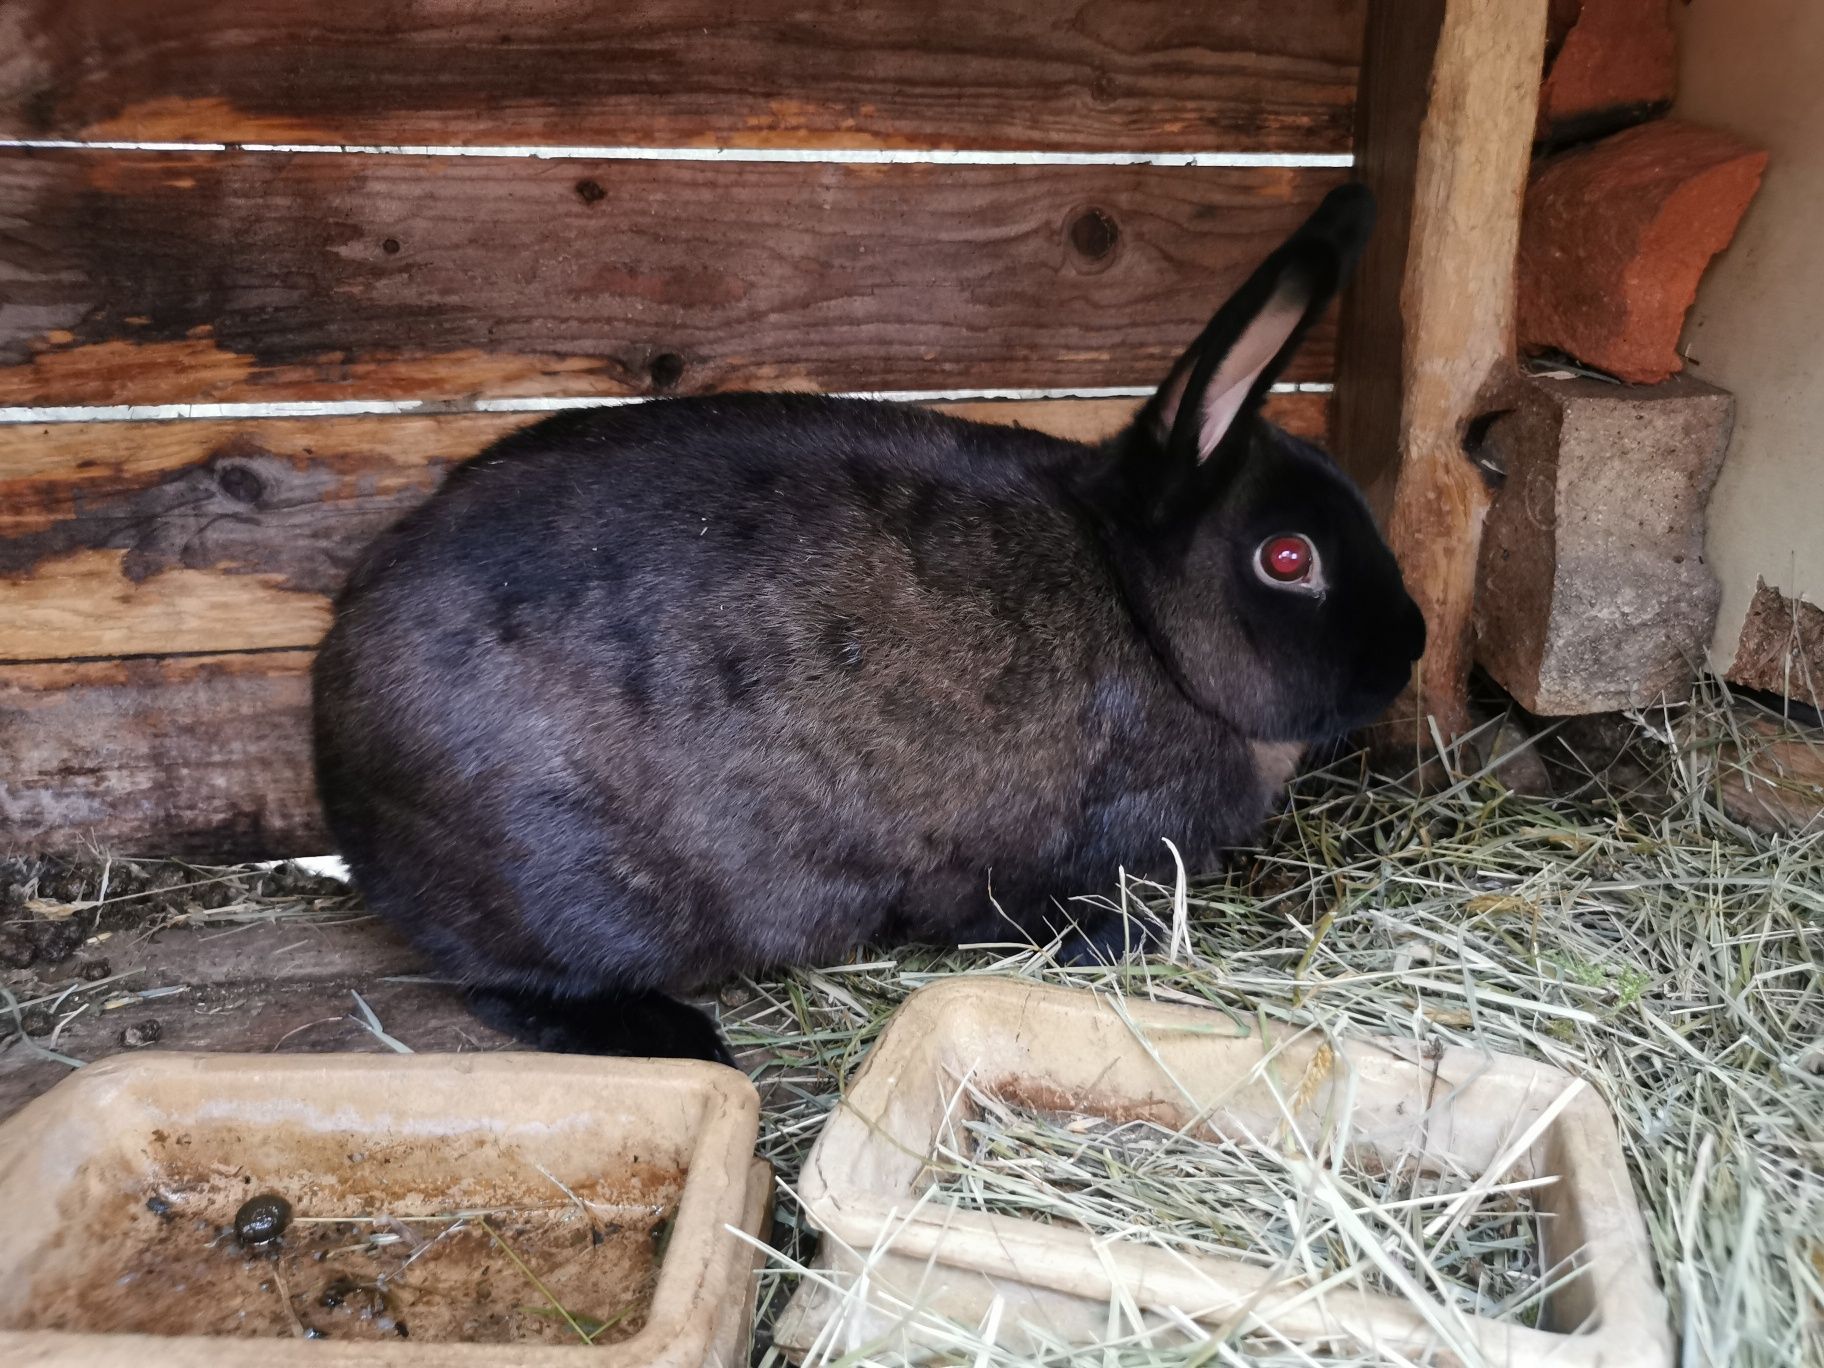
1236, 359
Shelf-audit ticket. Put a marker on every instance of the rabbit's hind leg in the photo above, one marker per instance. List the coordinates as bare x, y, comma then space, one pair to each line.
641, 1024
1106, 938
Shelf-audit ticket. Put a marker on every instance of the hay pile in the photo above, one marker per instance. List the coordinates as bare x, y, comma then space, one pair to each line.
1634, 935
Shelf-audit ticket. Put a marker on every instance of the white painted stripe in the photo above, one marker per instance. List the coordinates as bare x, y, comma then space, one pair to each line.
56, 144
846, 156
342, 408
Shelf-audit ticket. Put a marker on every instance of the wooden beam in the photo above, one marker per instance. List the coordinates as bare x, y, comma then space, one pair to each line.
1444, 137
1144, 75
149, 278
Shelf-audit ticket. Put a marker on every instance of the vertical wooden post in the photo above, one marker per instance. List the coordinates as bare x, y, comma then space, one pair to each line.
1444, 131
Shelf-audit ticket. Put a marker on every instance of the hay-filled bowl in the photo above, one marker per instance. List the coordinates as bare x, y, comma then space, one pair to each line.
1062, 1167
450, 1209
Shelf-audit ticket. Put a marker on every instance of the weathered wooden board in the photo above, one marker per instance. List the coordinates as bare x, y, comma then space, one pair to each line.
1058, 74
199, 756
170, 537
152, 278
1092, 420
165, 537
208, 756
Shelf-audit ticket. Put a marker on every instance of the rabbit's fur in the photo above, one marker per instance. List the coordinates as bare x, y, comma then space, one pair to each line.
646, 696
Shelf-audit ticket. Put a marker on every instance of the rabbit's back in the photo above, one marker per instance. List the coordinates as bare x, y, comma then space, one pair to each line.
659, 693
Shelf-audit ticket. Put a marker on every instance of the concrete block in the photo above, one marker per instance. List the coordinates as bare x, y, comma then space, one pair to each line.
1592, 593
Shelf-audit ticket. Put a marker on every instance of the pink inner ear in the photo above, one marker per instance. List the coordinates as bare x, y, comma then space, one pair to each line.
1258, 344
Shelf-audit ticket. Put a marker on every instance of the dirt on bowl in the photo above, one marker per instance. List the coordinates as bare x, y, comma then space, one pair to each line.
367, 1253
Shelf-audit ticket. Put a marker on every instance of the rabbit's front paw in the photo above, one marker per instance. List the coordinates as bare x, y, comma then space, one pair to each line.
1107, 940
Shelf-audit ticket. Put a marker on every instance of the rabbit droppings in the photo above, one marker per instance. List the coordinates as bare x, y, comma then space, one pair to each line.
646, 696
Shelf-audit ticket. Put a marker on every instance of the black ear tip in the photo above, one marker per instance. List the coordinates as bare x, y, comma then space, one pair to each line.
1335, 234
1352, 197
1346, 216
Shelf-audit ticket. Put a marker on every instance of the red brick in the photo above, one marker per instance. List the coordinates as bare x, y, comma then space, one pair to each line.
1616, 63
1616, 236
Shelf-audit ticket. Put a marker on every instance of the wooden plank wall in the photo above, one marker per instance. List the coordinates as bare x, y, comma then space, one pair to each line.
163, 582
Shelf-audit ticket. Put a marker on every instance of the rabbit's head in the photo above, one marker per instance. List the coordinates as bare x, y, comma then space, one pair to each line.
1249, 557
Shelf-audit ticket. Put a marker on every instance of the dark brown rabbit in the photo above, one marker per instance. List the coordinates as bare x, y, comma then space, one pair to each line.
645, 696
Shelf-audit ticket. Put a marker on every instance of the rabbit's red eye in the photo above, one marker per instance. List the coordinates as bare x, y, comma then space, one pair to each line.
1287, 559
